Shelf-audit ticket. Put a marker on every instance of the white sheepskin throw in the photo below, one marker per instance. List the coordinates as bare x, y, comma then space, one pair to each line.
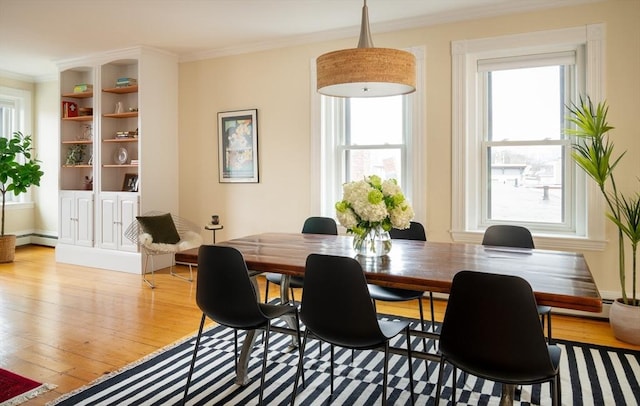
189, 240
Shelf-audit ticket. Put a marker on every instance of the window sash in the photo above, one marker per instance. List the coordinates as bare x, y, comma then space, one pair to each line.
568, 85
15, 108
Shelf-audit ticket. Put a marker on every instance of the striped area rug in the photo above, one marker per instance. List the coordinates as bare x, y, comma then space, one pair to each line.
591, 375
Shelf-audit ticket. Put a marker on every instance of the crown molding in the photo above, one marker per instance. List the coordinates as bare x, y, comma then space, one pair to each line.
398, 25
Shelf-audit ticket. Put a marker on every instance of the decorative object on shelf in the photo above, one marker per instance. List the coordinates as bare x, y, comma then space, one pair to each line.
126, 82
238, 146
69, 109
119, 108
85, 111
130, 183
19, 169
369, 209
121, 156
83, 88
87, 132
133, 109
88, 183
366, 71
75, 154
127, 134
594, 154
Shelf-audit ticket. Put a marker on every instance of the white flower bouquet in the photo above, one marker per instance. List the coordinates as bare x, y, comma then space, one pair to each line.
372, 206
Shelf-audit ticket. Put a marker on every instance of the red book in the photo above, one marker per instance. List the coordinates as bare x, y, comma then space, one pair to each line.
69, 109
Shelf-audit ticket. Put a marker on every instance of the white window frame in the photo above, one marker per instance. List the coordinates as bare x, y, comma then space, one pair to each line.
20, 100
588, 233
325, 183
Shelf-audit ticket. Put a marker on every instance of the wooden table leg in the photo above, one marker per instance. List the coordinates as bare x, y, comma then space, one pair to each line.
508, 392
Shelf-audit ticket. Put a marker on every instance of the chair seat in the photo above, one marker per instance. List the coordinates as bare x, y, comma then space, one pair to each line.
499, 374
391, 328
544, 309
393, 294
273, 311
295, 281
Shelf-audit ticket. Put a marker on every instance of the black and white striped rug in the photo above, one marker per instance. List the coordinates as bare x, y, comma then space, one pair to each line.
591, 375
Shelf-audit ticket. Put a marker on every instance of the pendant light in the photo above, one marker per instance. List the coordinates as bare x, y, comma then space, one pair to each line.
366, 71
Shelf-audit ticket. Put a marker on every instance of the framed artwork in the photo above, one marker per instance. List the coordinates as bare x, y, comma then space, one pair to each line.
130, 183
238, 146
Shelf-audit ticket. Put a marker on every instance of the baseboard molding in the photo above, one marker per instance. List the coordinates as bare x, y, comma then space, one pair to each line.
37, 239
92, 257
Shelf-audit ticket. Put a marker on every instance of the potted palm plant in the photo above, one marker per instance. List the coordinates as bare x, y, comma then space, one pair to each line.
18, 171
594, 153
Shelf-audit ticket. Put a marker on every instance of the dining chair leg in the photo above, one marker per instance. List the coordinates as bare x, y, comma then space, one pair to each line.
331, 369
439, 386
264, 361
300, 351
235, 350
433, 318
193, 360
410, 360
384, 375
549, 328
300, 368
266, 290
424, 340
453, 387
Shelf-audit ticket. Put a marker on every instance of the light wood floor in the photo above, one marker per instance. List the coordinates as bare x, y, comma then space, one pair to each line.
68, 325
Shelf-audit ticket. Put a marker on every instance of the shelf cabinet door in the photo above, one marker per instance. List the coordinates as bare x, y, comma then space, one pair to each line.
84, 219
128, 209
117, 211
76, 218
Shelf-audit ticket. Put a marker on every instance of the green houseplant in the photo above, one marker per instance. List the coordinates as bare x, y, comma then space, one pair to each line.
18, 171
594, 153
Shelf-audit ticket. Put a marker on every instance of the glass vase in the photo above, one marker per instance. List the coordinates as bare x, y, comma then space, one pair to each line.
374, 243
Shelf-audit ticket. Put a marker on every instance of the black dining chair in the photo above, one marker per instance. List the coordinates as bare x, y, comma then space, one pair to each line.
336, 308
226, 295
312, 225
505, 235
509, 347
414, 232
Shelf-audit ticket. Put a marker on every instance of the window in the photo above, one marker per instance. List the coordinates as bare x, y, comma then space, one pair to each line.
512, 161
355, 137
15, 115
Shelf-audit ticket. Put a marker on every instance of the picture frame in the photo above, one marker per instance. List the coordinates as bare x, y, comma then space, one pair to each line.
130, 183
238, 146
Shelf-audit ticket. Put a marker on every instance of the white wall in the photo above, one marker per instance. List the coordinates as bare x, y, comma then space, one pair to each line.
47, 129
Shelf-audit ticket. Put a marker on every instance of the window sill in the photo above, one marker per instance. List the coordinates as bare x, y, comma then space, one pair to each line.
19, 205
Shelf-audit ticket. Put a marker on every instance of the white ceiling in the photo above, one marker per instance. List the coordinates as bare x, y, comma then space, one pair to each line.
34, 34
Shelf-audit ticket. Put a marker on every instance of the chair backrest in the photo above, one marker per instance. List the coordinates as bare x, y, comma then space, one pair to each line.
503, 235
336, 305
414, 232
224, 291
320, 225
491, 328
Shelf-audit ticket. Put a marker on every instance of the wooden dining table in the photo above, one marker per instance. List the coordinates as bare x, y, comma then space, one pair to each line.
559, 279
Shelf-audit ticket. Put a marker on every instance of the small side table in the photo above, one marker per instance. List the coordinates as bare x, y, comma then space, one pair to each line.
214, 228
